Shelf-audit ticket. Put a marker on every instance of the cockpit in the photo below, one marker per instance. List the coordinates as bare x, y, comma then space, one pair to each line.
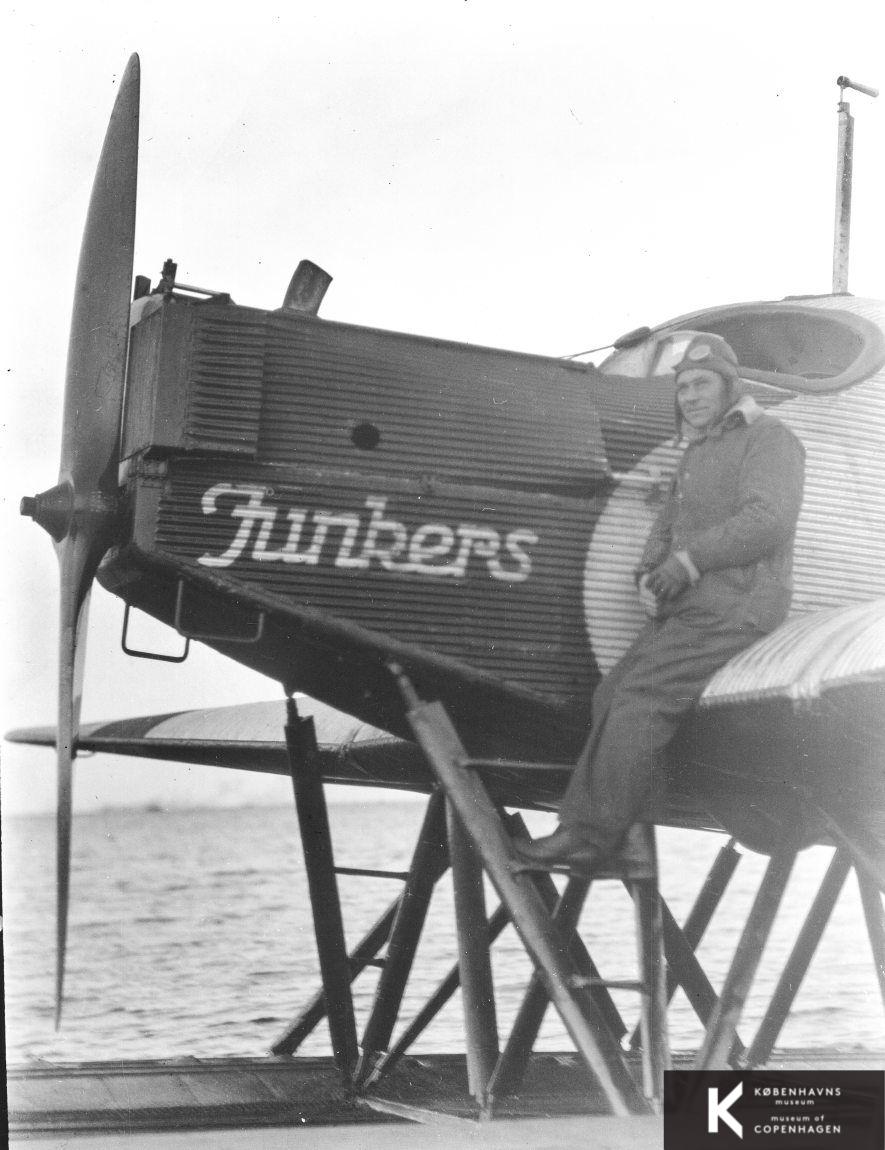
792, 346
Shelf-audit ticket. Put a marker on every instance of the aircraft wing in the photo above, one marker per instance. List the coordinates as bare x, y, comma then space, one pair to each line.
807, 657
797, 721
250, 737
797, 714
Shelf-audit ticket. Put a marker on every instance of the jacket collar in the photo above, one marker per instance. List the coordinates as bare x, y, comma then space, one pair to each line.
746, 410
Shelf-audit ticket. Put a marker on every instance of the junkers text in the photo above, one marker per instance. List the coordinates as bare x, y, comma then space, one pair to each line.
361, 539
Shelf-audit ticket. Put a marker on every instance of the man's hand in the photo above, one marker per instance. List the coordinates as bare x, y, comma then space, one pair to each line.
668, 580
647, 598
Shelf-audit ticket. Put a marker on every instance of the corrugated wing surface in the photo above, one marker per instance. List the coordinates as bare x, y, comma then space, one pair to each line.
807, 656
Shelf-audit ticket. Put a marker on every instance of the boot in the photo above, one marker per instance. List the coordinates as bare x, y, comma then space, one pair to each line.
567, 846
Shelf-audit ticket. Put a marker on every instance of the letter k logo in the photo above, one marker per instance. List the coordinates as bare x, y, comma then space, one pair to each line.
717, 1110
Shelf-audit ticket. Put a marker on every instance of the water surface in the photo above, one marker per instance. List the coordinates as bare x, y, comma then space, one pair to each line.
190, 934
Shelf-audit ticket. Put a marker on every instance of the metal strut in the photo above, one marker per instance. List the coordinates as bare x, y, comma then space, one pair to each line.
871, 896
429, 864
539, 934
431, 1008
474, 959
718, 1045
316, 842
800, 958
566, 910
640, 877
363, 954
513, 1063
680, 944
398, 928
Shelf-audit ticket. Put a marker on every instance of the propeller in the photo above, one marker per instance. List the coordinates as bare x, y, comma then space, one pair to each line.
80, 512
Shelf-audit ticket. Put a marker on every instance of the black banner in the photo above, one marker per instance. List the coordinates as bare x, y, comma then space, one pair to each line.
774, 1109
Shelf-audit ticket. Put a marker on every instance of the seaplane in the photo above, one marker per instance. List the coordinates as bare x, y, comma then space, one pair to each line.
429, 546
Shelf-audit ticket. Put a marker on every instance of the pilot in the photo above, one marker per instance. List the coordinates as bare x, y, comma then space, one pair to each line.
715, 576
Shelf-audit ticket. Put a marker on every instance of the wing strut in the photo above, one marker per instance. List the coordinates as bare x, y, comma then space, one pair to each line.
542, 937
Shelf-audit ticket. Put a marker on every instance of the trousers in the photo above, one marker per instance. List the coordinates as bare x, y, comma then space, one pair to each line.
636, 710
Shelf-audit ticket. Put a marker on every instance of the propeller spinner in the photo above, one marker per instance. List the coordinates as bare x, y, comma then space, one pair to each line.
80, 511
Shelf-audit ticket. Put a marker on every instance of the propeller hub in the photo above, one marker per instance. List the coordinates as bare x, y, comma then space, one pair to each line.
59, 510
52, 509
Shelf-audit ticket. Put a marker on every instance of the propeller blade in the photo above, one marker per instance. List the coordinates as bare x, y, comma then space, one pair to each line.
80, 512
100, 317
77, 565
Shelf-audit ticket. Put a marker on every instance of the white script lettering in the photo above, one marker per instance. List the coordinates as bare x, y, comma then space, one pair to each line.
434, 549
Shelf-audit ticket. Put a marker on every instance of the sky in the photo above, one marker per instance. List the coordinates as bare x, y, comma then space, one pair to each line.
534, 177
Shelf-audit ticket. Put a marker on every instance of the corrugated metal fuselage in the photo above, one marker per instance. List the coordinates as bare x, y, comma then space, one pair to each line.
317, 500
377, 496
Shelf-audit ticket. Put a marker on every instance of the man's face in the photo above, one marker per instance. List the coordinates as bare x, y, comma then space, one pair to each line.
702, 396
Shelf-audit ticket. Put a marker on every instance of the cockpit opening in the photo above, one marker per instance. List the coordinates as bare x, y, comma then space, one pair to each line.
796, 348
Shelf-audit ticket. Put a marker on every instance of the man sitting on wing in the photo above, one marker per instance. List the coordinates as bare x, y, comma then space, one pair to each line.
714, 577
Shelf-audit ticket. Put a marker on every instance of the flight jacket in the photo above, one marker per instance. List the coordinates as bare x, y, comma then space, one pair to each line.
730, 517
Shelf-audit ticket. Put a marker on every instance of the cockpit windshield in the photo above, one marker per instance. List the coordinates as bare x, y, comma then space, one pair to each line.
784, 345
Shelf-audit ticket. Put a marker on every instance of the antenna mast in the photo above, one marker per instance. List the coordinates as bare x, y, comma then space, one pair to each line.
844, 159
